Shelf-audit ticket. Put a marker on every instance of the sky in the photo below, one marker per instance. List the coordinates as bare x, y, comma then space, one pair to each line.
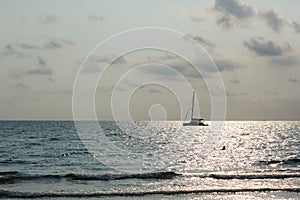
255, 45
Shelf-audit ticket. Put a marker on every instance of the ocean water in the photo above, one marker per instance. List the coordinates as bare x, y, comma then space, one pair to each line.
50, 160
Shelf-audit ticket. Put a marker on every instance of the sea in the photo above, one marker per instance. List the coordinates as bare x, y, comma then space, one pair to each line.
55, 160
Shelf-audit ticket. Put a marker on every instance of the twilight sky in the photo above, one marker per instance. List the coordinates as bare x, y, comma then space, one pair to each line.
255, 44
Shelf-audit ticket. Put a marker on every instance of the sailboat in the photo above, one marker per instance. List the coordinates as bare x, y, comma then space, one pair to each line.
194, 121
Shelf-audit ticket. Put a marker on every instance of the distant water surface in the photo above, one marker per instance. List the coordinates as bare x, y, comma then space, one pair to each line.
252, 160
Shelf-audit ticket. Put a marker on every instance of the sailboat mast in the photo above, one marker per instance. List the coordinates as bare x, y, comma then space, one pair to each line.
193, 104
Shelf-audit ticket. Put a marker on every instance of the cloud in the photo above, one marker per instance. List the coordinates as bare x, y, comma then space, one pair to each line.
94, 63
285, 61
41, 69
202, 40
53, 44
41, 62
186, 69
225, 21
9, 50
106, 59
231, 11
296, 26
47, 19
225, 64
120, 60
96, 18
69, 42
50, 79
58, 43
272, 19
292, 80
161, 71
28, 46
263, 47
235, 8
15, 50
56, 91
197, 19
99, 59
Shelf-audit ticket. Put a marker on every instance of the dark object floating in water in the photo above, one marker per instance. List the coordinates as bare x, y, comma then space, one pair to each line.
223, 148
73, 153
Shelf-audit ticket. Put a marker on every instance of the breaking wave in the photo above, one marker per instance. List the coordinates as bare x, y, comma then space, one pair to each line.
83, 194
11, 177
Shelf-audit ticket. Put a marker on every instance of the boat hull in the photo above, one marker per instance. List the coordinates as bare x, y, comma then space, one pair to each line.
193, 124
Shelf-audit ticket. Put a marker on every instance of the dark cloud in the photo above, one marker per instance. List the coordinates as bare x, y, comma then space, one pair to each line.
91, 68
202, 40
292, 80
41, 62
120, 60
9, 50
56, 91
162, 71
106, 59
96, 18
94, 64
186, 69
197, 19
235, 8
28, 46
56, 43
167, 57
47, 19
40, 71
285, 61
263, 47
99, 59
225, 64
176, 63
231, 11
296, 27
53, 44
272, 19
173, 63
226, 21
15, 50
69, 42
